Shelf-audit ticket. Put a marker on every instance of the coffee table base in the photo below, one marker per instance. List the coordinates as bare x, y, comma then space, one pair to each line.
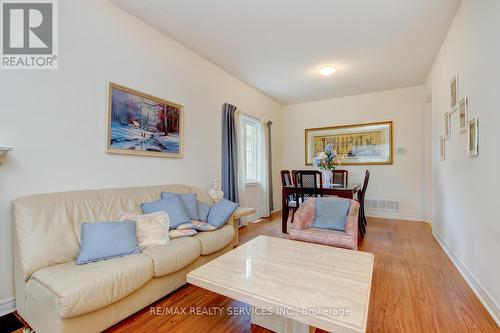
279, 324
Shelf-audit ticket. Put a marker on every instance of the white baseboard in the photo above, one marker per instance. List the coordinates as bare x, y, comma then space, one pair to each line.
474, 284
7, 306
392, 215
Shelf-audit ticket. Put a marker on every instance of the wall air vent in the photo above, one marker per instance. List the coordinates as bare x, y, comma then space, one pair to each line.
382, 205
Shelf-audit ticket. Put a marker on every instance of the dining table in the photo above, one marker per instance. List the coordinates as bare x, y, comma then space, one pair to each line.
348, 191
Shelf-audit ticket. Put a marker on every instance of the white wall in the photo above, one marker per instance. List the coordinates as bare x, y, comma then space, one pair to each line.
428, 161
56, 120
404, 180
466, 216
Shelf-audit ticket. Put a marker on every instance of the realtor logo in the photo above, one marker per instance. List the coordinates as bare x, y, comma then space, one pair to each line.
29, 34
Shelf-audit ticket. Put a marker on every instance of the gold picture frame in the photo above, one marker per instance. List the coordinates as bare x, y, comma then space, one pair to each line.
442, 148
142, 124
463, 114
473, 137
447, 125
362, 144
454, 93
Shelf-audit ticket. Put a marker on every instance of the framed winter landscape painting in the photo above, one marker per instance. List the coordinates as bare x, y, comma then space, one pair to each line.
141, 124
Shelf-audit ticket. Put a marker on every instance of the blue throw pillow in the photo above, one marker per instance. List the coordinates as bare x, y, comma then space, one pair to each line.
220, 212
203, 209
331, 213
106, 240
188, 200
174, 208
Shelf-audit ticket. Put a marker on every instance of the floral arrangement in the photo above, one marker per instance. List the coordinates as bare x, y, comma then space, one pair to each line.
326, 160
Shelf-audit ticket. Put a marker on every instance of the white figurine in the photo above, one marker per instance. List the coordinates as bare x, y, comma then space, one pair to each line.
215, 192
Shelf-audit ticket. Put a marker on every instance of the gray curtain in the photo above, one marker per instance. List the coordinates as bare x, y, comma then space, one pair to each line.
229, 153
270, 168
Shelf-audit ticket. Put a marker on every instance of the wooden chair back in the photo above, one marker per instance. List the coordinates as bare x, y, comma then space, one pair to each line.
363, 190
308, 179
361, 199
286, 178
293, 175
340, 177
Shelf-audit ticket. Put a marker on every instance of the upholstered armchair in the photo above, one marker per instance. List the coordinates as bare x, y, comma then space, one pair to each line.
304, 218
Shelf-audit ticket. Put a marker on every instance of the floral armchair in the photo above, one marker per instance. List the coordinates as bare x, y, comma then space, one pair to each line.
304, 218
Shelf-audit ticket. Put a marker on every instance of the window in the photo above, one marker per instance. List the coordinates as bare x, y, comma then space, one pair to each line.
250, 129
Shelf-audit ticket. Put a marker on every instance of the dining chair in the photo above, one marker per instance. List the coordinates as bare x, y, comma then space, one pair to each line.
291, 200
361, 199
293, 176
340, 177
308, 179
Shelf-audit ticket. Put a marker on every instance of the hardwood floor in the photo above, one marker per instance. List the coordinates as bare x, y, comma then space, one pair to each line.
415, 288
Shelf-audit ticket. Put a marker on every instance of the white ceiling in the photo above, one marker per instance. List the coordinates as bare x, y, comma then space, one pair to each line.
277, 46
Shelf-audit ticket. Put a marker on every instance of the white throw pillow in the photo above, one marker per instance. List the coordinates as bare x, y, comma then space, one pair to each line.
152, 229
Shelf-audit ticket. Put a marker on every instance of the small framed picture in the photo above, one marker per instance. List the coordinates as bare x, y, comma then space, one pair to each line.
463, 114
442, 148
454, 92
473, 137
447, 125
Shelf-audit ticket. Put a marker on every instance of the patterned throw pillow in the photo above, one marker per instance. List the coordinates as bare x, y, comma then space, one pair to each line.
196, 225
203, 226
186, 226
152, 229
173, 234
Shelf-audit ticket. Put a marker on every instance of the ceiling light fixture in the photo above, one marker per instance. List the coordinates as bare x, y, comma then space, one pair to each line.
327, 70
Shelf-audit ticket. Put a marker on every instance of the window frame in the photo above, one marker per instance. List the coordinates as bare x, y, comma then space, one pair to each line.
250, 121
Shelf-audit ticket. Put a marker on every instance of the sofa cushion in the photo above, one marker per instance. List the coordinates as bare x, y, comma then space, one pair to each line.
203, 210
172, 206
331, 213
220, 212
85, 288
106, 240
152, 229
188, 200
213, 241
174, 256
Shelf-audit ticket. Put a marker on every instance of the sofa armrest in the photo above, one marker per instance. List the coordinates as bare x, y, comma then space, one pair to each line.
232, 221
304, 216
243, 211
351, 226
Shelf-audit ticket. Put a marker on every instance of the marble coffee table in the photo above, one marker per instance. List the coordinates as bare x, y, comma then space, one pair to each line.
294, 286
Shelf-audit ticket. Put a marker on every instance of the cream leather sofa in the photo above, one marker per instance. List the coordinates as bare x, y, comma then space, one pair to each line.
53, 294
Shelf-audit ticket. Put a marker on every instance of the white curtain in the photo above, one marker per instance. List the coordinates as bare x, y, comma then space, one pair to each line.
263, 165
264, 170
241, 162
